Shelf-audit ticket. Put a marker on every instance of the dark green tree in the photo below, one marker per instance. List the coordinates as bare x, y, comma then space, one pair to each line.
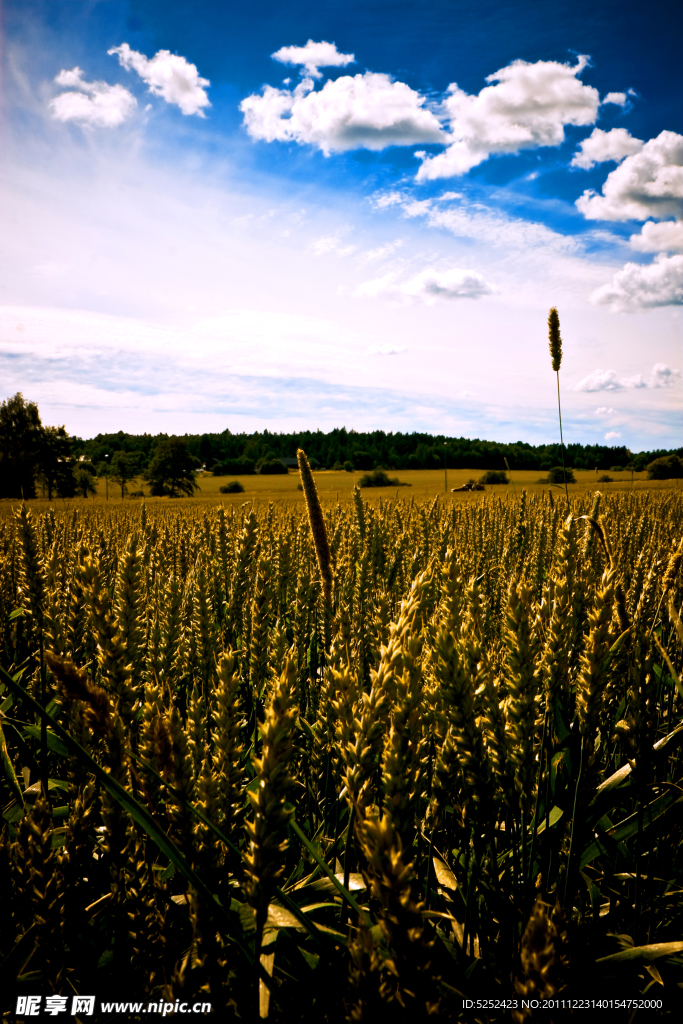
669, 467
84, 482
20, 443
124, 467
55, 466
172, 468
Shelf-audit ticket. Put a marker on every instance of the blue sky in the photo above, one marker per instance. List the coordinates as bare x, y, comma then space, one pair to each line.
344, 214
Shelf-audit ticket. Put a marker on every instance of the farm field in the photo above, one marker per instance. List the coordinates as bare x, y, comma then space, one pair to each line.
424, 484
363, 764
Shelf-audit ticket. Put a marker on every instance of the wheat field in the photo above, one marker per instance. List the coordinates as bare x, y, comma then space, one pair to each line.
346, 760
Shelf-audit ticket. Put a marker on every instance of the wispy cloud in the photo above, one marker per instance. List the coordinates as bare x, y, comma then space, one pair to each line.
430, 285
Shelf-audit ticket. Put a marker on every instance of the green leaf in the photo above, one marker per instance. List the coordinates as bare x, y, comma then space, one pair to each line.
53, 742
629, 826
8, 768
346, 895
15, 614
139, 814
651, 952
552, 819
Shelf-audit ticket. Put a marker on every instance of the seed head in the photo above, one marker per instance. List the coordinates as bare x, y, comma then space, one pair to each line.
554, 338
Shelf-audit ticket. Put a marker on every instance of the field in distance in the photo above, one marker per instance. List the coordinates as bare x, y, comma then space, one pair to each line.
423, 484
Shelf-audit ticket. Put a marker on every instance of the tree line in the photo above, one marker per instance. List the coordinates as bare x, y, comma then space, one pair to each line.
368, 450
34, 457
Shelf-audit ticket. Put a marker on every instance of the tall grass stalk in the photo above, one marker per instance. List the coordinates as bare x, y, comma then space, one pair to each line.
555, 345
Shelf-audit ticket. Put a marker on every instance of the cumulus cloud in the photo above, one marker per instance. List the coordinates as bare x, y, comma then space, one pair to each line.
369, 111
313, 56
637, 287
611, 435
169, 76
647, 184
605, 410
618, 98
601, 146
665, 236
528, 106
524, 106
430, 285
661, 376
95, 104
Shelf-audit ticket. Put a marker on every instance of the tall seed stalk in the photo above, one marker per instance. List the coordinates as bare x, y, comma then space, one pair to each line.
555, 345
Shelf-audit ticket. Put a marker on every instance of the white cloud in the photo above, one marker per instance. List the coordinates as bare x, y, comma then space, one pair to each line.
386, 350
665, 236
313, 56
527, 107
169, 76
661, 376
95, 104
367, 111
381, 200
611, 435
489, 226
430, 285
332, 244
601, 146
381, 252
605, 410
636, 287
618, 98
647, 184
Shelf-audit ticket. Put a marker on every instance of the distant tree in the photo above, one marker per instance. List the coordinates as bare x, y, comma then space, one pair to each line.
380, 479
84, 482
669, 467
55, 465
363, 460
560, 475
349, 466
206, 449
234, 487
494, 476
171, 469
124, 467
20, 443
271, 467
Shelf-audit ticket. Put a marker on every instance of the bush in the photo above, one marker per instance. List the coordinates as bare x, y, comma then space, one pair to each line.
669, 467
558, 475
272, 467
380, 479
349, 466
605, 479
494, 476
137, 494
234, 487
616, 469
338, 467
